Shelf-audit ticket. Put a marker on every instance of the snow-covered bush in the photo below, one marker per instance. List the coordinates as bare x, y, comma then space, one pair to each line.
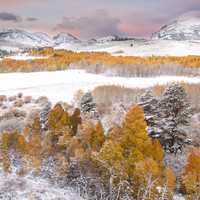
11, 124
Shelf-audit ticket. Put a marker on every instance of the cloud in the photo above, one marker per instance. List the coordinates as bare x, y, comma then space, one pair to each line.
5, 16
7, 4
98, 24
31, 19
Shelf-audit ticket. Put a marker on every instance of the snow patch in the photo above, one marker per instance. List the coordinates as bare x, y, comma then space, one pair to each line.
17, 187
62, 85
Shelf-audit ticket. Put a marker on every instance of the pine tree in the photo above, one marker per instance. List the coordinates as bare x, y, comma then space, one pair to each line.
175, 113
44, 116
150, 107
88, 106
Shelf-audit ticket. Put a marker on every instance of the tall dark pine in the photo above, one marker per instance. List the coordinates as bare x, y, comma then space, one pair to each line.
150, 105
174, 116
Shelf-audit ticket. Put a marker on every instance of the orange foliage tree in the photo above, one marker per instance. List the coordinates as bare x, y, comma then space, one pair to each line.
191, 176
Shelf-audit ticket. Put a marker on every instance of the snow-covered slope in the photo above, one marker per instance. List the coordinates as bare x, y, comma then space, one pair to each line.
15, 38
63, 38
185, 27
151, 48
20, 37
44, 37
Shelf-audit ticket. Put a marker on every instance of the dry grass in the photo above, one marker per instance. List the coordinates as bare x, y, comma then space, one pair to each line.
60, 59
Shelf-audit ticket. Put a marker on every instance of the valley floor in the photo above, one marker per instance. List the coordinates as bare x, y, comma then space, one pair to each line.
63, 85
139, 48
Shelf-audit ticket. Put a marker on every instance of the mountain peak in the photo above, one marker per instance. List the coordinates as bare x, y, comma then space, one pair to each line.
65, 38
185, 27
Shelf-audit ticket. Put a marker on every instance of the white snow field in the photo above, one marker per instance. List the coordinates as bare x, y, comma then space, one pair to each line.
139, 48
157, 48
25, 57
62, 85
13, 187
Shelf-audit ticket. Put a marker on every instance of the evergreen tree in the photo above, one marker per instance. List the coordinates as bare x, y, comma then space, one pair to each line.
44, 116
150, 106
175, 113
88, 106
168, 116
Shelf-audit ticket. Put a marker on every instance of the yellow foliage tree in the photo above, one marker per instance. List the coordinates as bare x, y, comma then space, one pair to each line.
92, 136
58, 119
34, 146
191, 176
135, 156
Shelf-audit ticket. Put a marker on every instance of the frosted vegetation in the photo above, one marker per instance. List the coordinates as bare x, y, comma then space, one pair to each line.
118, 134
139, 70
14, 187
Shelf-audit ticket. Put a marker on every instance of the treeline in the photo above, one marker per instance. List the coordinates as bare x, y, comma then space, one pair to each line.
60, 60
3, 53
124, 164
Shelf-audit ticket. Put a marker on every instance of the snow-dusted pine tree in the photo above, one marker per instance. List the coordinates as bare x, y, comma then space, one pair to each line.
87, 103
150, 105
44, 115
88, 106
174, 115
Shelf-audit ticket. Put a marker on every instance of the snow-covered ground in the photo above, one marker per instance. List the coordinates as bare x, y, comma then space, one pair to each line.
62, 85
156, 48
25, 57
139, 48
130, 48
16, 187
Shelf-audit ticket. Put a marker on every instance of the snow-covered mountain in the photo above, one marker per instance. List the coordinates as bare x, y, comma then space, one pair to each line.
63, 38
24, 38
185, 27
44, 37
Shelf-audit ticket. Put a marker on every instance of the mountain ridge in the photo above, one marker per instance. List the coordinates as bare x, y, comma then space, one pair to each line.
185, 27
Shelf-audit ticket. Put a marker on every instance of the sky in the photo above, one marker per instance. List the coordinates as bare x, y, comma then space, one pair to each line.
93, 18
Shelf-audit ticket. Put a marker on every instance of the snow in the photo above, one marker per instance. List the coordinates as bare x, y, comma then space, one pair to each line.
23, 37
185, 27
154, 48
44, 37
64, 38
16, 39
138, 48
28, 187
62, 85
25, 57
178, 197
